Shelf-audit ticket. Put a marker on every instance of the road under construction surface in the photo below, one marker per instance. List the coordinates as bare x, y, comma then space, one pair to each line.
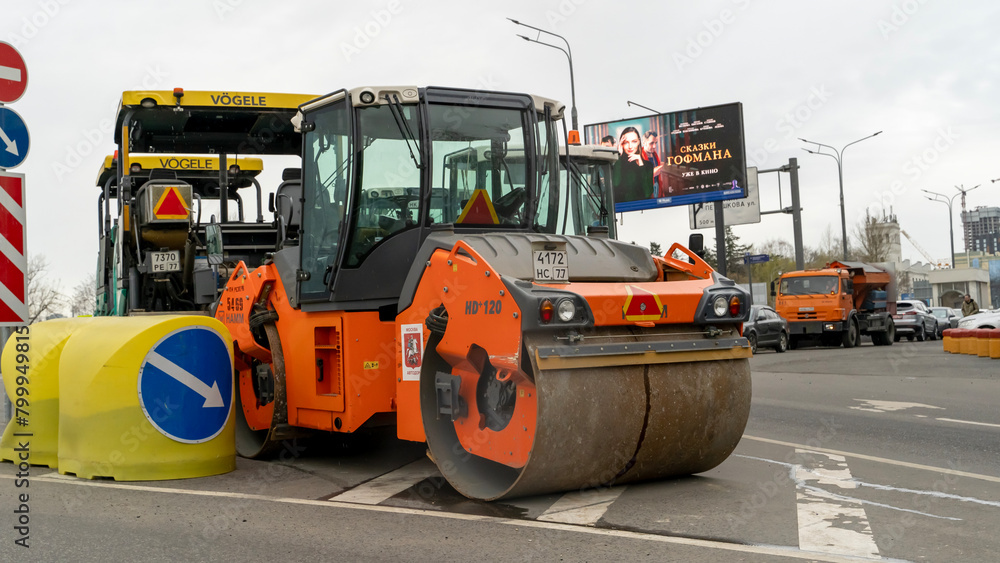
872, 453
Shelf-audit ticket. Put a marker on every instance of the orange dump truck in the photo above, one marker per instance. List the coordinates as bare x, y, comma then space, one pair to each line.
837, 304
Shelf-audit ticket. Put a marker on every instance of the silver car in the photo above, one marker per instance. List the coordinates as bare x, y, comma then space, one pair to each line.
946, 318
913, 320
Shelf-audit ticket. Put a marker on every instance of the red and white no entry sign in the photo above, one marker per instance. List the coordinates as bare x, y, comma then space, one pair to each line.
13, 74
13, 250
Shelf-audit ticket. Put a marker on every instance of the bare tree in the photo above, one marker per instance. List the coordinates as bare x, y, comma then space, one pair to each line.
84, 299
43, 296
829, 249
874, 239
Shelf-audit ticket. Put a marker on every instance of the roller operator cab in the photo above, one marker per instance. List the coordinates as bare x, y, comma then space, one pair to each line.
445, 282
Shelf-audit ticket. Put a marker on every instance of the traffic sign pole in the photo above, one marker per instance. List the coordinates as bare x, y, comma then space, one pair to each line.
14, 144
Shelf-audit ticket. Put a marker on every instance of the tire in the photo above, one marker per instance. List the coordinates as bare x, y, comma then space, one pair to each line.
920, 335
793, 343
890, 333
782, 343
850, 336
933, 334
909, 338
752, 339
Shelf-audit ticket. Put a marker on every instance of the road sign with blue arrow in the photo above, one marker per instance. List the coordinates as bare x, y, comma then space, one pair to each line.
186, 384
14, 140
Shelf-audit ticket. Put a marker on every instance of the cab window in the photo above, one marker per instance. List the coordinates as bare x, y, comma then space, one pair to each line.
388, 197
326, 175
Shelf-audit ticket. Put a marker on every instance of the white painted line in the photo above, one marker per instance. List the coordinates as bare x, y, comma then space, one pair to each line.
386, 486
775, 551
889, 406
969, 422
10, 73
919, 466
584, 508
831, 523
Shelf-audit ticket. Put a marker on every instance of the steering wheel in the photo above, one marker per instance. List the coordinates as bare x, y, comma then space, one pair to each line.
508, 205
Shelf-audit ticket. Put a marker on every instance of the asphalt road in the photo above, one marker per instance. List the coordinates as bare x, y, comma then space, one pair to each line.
862, 454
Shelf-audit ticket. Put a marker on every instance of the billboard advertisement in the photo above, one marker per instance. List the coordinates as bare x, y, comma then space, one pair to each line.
677, 158
734, 211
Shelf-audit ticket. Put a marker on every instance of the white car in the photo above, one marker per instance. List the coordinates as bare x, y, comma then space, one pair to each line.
983, 319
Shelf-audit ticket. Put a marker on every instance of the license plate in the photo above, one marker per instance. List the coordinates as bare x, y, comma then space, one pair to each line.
169, 261
551, 266
807, 308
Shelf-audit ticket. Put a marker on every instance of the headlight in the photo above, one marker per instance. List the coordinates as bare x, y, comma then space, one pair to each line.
566, 310
719, 306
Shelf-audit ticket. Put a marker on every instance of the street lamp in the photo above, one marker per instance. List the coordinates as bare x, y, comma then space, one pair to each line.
569, 55
838, 156
631, 103
951, 216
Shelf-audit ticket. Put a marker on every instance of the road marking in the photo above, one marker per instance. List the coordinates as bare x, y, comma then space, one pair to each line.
922, 467
969, 422
386, 486
583, 508
888, 406
860, 484
775, 551
828, 522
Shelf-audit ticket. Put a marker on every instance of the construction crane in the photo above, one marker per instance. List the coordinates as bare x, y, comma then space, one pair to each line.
920, 249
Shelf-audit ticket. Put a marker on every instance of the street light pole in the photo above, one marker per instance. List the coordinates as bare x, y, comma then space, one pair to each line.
569, 55
838, 156
949, 201
951, 219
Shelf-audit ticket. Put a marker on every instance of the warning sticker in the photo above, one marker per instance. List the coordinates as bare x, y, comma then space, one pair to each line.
412, 339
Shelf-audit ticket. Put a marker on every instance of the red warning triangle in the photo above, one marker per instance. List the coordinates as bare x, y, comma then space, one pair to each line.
641, 305
171, 205
479, 210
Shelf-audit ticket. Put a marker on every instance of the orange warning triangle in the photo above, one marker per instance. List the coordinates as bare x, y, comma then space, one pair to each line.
479, 210
171, 205
641, 305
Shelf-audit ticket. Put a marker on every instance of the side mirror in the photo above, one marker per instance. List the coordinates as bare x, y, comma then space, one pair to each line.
773, 293
696, 244
213, 243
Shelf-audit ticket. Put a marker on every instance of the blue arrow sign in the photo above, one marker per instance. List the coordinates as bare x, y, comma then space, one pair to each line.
756, 258
186, 385
14, 140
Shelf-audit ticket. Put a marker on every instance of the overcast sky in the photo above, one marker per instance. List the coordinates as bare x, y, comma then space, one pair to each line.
924, 72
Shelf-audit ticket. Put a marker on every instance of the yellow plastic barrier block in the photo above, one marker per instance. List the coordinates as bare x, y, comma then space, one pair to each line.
31, 362
147, 398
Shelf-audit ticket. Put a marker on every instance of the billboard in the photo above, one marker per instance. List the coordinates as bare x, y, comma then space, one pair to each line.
677, 158
734, 211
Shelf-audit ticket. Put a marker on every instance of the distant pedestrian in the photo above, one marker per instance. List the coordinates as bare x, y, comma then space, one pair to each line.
969, 306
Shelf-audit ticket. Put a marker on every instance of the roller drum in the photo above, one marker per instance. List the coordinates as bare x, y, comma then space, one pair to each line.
605, 425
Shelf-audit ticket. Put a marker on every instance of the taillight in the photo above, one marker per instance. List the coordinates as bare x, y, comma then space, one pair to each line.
545, 311
734, 306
